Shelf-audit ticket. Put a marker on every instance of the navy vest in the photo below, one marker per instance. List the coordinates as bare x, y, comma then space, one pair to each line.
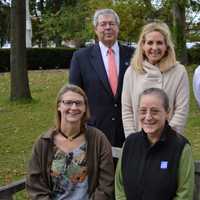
151, 172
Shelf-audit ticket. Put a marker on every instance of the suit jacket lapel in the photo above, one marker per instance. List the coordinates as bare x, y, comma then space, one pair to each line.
97, 63
122, 68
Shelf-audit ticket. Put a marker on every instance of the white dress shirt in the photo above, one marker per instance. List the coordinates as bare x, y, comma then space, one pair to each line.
196, 84
104, 53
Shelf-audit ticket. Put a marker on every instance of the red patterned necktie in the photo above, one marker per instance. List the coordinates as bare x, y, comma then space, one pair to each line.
112, 71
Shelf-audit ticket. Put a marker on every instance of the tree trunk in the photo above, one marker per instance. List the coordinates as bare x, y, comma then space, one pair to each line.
19, 75
179, 30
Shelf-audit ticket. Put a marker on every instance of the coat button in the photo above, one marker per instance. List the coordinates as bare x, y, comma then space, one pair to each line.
113, 119
115, 105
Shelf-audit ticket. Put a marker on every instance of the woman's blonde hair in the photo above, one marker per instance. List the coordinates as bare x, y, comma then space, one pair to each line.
169, 58
73, 88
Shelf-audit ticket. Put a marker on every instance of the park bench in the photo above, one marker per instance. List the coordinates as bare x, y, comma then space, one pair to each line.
7, 192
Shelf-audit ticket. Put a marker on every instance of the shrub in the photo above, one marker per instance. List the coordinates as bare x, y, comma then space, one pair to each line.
4, 60
193, 55
40, 58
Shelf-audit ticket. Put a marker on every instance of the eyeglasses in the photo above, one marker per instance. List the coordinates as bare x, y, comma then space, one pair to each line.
104, 24
70, 103
152, 111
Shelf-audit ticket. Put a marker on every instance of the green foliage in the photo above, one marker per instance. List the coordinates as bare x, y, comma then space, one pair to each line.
74, 23
4, 24
50, 25
193, 24
71, 19
49, 58
193, 54
94, 4
37, 32
40, 58
68, 22
4, 60
193, 32
57, 58
129, 13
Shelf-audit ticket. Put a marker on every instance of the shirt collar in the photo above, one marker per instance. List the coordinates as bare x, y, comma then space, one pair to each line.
164, 134
104, 48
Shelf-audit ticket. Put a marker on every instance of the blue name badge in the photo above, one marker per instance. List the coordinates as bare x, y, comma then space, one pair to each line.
163, 164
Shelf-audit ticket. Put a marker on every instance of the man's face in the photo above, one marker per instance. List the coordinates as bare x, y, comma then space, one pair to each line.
107, 30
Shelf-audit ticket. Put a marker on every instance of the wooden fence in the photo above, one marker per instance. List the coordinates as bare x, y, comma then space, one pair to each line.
7, 192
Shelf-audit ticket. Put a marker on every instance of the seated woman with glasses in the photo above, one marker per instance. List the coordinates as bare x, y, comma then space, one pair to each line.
71, 161
156, 163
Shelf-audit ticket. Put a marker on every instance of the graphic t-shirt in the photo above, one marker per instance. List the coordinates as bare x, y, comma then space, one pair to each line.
69, 174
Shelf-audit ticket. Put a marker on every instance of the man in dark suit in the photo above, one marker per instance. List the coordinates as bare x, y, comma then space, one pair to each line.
90, 70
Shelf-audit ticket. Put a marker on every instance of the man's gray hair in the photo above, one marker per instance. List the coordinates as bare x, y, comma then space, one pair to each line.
105, 12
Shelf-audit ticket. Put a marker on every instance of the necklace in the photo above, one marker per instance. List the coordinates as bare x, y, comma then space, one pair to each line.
70, 138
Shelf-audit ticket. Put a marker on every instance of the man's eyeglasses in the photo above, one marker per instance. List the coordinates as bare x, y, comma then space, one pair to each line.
104, 24
70, 103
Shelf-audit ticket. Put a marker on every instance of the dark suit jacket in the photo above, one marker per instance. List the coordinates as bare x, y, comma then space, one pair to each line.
87, 71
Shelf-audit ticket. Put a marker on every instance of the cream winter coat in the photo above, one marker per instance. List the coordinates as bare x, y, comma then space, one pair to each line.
174, 81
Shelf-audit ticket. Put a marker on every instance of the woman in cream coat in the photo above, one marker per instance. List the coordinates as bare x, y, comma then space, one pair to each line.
154, 65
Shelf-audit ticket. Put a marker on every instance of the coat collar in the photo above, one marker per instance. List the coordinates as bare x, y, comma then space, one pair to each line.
49, 134
164, 135
148, 66
98, 65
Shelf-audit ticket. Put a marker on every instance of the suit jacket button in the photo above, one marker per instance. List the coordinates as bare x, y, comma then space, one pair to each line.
113, 119
115, 105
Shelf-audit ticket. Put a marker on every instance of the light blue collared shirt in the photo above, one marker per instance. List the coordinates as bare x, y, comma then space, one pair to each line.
196, 84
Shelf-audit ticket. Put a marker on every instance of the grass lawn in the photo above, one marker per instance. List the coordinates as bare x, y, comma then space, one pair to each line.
192, 131
22, 122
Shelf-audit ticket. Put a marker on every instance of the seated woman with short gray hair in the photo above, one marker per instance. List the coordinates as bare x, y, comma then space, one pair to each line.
156, 162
